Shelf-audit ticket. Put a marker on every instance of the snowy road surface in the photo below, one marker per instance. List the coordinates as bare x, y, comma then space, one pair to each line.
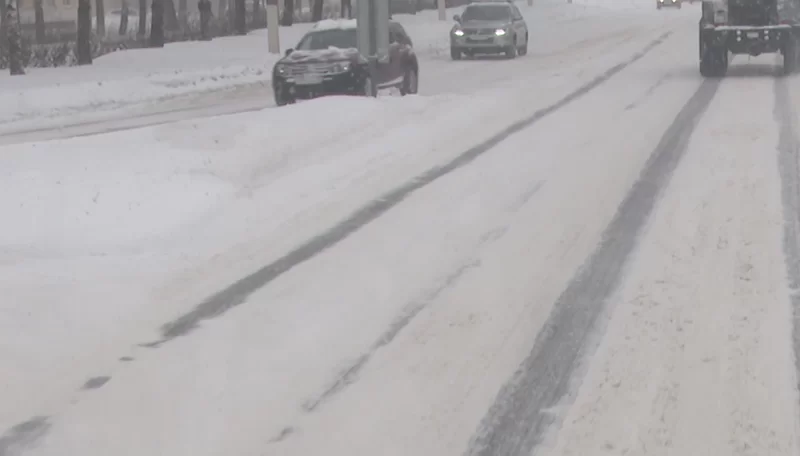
594, 252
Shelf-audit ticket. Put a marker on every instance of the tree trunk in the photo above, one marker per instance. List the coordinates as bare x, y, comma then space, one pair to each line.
241, 17
205, 15
346, 9
170, 16
84, 48
157, 24
14, 41
256, 20
316, 11
39, 21
100, 14
123, 18
3, 20
183, 14
142, 32
287, 18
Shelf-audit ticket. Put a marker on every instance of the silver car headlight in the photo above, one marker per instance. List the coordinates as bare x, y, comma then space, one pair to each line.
281, 69
500, 32
458, 32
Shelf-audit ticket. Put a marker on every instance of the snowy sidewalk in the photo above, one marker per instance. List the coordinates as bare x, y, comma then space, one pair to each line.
136, 76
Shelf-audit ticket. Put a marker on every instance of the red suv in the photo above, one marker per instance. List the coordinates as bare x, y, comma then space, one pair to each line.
326, 61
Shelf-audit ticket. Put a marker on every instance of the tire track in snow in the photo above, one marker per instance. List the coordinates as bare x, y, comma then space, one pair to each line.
518, 419
789, 168
238, 292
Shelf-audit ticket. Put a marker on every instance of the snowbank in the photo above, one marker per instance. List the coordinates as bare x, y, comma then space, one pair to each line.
142, 76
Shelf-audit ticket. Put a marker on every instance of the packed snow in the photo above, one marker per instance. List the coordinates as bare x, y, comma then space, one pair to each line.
697, 358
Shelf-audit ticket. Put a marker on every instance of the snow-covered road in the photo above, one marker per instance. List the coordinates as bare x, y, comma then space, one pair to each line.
586, 251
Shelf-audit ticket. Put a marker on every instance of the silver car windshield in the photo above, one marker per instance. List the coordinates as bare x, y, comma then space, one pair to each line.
486, 13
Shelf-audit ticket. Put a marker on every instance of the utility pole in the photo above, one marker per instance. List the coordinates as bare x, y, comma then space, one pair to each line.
373, 37
273, 27
443, 10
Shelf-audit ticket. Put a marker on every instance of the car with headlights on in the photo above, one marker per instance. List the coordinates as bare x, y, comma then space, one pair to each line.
668, 4
326, 61
489, 27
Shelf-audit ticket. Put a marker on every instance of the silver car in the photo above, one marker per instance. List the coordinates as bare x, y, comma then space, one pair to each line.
489, 27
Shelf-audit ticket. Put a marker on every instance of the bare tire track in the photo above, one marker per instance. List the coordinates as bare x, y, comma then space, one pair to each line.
517, 420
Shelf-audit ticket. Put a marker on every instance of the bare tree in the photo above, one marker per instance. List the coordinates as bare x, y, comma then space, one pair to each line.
287, 18
170, 16
38, 7
84, 48
100, 14
123, 18
157, 24
14, 41
2, 19
346, 9
183, 14
142, 32
256, 21
316, 10
241, 17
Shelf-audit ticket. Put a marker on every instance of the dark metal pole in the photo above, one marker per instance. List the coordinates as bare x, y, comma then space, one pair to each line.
373, 47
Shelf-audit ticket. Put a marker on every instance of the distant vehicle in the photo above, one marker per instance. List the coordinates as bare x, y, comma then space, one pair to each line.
489, 27
668, 4
326, 61
751, 27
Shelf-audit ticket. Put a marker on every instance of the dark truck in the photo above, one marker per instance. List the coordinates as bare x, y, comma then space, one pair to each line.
751, 27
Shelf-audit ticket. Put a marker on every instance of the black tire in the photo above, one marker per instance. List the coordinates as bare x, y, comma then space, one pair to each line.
410, 82
714, 62
511, 51
282, 98
524, 48
455, 54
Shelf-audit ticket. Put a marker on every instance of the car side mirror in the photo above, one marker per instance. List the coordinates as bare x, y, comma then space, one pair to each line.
289, 51
457, 18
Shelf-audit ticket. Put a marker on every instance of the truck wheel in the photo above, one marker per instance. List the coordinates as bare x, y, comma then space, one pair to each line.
455, 54
714, 62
